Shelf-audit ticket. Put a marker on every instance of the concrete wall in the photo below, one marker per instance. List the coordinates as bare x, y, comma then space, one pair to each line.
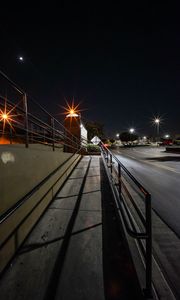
21, 170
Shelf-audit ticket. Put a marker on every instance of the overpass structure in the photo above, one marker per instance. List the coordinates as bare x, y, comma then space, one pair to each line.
70, 226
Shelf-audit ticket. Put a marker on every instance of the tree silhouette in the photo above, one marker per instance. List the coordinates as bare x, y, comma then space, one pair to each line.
127, 136
94, 129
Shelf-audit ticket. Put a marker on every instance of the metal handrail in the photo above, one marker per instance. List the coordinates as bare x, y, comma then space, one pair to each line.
41, 125
24, 122
33, 127
127, 218
19, 89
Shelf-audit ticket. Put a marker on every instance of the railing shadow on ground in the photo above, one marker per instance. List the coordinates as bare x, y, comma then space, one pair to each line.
164, 158
120, 278
57, 270
34, 246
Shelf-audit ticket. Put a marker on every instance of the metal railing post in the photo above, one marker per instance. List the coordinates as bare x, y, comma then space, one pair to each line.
148, 290
107, 156
111, 163
26, 120
52, 125
44, 135
32, 138
119, 178
10, 137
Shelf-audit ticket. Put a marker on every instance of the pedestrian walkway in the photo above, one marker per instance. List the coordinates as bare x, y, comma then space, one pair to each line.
76, 250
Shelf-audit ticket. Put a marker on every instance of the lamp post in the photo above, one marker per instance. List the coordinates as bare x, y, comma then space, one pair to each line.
157, 122
131, 130
144, 139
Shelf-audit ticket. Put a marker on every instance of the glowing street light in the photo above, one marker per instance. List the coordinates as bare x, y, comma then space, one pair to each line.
167, 136
72, 113
157, 122
117, 135
71, 110
4, 116
21, 58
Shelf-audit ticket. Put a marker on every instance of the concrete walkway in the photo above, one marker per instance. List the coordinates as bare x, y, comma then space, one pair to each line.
76, 250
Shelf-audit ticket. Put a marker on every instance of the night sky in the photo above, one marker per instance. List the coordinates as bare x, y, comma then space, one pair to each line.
121, 62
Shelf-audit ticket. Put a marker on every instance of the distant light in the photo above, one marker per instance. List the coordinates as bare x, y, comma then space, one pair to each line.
117, 135
144, 137
167, 136
21, 58
131, 130
157, 121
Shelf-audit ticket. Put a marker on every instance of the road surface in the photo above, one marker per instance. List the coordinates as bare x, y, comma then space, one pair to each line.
159, 172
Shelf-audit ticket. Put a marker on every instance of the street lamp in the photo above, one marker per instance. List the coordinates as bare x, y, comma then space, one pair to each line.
131, 130
21, 58
157, 121
167, 136
4, 116
117, 135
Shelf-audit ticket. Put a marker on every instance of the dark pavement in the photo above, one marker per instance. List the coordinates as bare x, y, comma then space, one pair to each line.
159, 173
77, 249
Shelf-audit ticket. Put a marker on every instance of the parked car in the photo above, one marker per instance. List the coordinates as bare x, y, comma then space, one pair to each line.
166, 142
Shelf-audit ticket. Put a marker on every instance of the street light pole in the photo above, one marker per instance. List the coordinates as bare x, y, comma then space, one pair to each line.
158, 129
157, 122
131, 130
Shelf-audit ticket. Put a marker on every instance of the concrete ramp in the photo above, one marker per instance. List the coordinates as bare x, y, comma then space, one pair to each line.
76, 251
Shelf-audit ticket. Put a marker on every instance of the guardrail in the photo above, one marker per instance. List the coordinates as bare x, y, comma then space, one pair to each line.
119, 176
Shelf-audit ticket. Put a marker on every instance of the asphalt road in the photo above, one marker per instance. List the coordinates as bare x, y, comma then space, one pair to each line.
159, 172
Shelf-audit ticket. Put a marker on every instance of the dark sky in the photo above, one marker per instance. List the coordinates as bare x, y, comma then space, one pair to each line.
122, 62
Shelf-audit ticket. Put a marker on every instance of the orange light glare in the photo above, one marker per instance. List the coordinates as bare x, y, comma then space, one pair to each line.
4, 116
71, 111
